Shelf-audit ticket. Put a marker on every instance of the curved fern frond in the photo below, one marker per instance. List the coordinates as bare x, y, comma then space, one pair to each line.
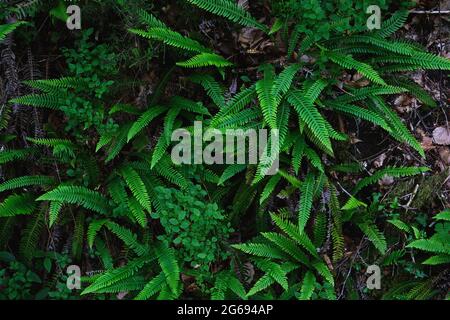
230, 10
205, 60
171, 38
82, 196
390, 171
26, 181
17, 204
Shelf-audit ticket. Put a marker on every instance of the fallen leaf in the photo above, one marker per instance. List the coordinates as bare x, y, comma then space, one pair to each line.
441, 135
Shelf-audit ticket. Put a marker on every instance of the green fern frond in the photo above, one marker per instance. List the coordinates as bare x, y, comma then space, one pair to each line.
171, 38
348, 62
374, 235
128, 238
5, 29
205, 60
17, 204
363, 114
393, 24
150, 19
230, 10
308, 286
93, 229
212, 88
265, 95
230, 171
137, 211
26, 181
439, 259
323, 270
390, 171
137, 186
306, 201
269, 188
144, 120
50, 101
12, 155
169, 265
89, 199
112, 277
53, 212
30, 238
311, 117
287, 245
152, 287
430, 245
293, 232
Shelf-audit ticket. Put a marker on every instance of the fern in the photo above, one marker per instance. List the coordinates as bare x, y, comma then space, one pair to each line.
171, 38
25, 181
390, 171
230, 10
17, 204
137, 186
306, 201
311, 117
144, 121
5, 29
308, 286
374, 235
350, 63
82, 196
205, 60
169, 265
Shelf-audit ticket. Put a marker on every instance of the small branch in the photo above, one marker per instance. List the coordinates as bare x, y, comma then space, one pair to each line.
430, 12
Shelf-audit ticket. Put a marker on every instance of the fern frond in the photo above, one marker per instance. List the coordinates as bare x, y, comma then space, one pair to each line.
292, 231
430, 246
112, 277
30, 237
374, 235
205, 60
17, 204
5, 29
93, 229
12, 155
82, 196
171, 38
154, 286
390, 171
348, 62
230, 10
269, 188
137, 186
150, 19
144, 120
128, 237
53, 212
265, 95
212, 88
169, 265
306, 201
393, 24
308, 286
137, 211
311, 117
26, 181
230, 171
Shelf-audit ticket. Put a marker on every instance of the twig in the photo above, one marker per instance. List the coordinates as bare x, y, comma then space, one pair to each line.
430, 12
